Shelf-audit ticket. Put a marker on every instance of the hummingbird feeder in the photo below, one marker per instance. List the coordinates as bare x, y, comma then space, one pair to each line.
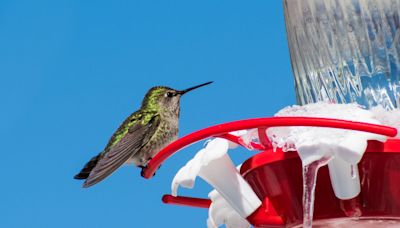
342, 51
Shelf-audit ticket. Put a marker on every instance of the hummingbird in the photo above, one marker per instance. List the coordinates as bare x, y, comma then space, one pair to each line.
141, 135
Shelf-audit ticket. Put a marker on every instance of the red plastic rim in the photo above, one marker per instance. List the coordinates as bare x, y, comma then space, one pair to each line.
222, 130
390, 146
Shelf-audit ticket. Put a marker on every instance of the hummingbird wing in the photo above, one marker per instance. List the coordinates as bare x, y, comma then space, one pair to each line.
135, 138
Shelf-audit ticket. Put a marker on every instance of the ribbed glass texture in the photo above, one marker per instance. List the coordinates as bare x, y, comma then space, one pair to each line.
345, 50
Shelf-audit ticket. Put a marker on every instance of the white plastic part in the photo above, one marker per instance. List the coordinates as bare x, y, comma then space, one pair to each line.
223, 176
343, 169
345, 181
352, 147
221, 213
186, 176
214, 166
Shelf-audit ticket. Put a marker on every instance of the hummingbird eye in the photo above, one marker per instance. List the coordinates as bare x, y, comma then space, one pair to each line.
169, 94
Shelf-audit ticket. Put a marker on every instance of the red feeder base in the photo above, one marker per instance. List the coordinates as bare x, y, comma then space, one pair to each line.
276, 177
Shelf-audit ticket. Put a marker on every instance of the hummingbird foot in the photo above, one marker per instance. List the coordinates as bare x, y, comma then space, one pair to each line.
143, 168
148, 160
142, 173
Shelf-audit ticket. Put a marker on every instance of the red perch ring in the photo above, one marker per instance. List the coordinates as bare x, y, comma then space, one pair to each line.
268, 172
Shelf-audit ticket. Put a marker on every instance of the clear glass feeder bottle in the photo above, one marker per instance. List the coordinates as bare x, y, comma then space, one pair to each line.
345, 51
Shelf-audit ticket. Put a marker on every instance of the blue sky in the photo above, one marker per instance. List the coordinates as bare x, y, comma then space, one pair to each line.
71, 71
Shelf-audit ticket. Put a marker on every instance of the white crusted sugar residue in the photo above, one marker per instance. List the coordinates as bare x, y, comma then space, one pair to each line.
387, 117
312, 143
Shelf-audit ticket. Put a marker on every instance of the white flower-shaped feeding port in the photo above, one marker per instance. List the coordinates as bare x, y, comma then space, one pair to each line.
214, 166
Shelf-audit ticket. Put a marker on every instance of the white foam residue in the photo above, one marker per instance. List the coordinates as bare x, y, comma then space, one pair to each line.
313, 143
387, 117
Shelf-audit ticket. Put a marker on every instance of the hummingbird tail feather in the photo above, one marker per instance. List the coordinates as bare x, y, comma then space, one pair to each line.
84, 173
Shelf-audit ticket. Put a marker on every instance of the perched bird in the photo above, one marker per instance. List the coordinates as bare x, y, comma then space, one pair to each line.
140, 136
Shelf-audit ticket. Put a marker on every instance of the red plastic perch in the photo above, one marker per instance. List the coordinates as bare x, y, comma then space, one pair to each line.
222, 130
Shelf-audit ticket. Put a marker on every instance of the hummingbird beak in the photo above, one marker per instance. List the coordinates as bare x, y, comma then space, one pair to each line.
181, 92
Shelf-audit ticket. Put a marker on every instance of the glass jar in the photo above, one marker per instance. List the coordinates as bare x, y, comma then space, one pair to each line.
345, 51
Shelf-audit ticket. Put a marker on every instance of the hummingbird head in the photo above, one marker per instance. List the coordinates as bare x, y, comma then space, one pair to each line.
163, 98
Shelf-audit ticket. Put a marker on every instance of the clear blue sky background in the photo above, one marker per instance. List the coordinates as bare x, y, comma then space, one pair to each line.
71, 71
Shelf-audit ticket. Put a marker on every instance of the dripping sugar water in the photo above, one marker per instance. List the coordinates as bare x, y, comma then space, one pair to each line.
310, 172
